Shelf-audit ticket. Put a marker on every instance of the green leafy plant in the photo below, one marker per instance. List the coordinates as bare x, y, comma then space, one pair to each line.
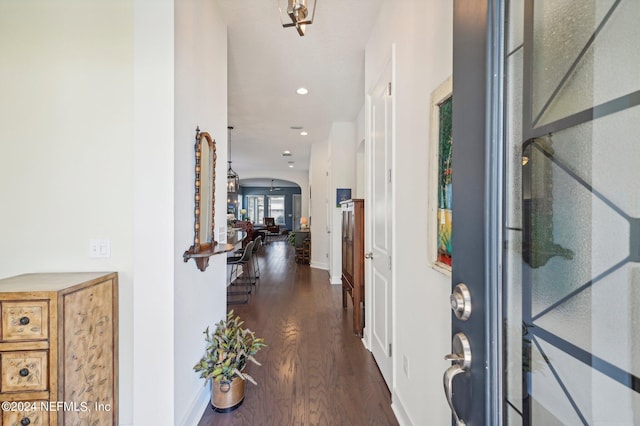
291, 238
228, 350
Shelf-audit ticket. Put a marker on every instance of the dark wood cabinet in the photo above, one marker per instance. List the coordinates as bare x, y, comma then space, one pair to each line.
353, 260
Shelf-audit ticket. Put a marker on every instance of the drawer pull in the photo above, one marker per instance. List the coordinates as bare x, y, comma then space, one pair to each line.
24, 372
24, 320
25, 421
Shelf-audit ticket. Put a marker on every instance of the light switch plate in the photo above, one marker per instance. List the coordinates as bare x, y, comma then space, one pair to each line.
100, 248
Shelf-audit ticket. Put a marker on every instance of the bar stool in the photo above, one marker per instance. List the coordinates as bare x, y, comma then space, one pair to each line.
256, 249
244, 260
257, 244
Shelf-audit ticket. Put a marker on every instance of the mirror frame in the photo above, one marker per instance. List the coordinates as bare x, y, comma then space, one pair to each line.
201, 251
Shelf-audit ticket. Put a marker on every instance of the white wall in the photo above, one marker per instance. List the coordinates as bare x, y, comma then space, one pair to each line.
360, 156
342, 174
200, 100
318, 205
422, 33
66, 137
153, 212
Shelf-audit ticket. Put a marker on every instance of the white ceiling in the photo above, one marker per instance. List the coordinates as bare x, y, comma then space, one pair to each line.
267, 63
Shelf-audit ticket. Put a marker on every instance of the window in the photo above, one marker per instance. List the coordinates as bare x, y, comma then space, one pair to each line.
255, 208
276, 208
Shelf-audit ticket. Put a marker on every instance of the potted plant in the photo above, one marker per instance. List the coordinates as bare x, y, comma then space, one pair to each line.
291, 238
228, 350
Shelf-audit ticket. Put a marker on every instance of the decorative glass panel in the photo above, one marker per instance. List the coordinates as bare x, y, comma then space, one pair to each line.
444, 183
599, 57
572, 234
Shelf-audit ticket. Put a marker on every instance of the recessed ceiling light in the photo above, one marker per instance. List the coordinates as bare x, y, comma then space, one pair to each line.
296, 127
302, 91
291, 166
303, 133
286, 153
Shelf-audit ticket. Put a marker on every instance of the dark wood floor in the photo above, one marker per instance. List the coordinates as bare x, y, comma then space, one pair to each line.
315, 371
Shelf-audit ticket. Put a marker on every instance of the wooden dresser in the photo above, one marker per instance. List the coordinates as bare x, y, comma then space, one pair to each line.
59, 349
353, 259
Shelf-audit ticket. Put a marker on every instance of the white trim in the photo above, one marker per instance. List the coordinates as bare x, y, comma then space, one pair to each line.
319, 265
336, 280
364, 341
394, 207
199, 404
398, 409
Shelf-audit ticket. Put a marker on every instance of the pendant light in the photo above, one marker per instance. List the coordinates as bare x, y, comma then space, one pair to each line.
299, 15
233, 180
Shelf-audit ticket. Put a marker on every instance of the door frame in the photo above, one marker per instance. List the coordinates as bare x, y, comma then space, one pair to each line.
478, 28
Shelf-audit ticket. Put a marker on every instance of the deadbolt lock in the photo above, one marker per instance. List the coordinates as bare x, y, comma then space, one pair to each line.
460, 301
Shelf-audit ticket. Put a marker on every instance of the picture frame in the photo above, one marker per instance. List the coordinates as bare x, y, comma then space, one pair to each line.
342, 194
440, 176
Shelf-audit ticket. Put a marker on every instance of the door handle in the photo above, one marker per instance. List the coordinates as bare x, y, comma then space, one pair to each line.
368, 255
449, 374
461, 357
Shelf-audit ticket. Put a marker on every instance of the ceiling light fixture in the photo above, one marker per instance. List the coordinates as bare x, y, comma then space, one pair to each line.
303, 133
302, 91
291, 163
233, 180
299, 15
286, 153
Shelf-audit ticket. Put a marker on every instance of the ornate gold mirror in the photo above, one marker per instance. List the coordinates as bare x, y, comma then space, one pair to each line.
204, 211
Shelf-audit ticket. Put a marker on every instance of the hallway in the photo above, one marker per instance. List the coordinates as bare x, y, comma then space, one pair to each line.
315, 371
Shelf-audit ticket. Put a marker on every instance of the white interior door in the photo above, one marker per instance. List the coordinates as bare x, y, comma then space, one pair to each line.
379, 236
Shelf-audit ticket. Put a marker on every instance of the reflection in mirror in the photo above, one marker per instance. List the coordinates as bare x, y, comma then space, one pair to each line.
204, 211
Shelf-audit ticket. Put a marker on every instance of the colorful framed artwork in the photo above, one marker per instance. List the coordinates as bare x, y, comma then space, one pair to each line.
441, 173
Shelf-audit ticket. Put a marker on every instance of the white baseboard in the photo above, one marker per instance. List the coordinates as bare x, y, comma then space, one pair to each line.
200, 403
399, 411
365, 339
336, 280
319, 265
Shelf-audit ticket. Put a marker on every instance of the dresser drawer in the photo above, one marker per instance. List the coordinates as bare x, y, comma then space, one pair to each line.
24, 371
26, 413
25, 320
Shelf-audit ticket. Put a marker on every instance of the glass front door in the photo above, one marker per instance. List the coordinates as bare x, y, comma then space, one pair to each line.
546, 195
572, 217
